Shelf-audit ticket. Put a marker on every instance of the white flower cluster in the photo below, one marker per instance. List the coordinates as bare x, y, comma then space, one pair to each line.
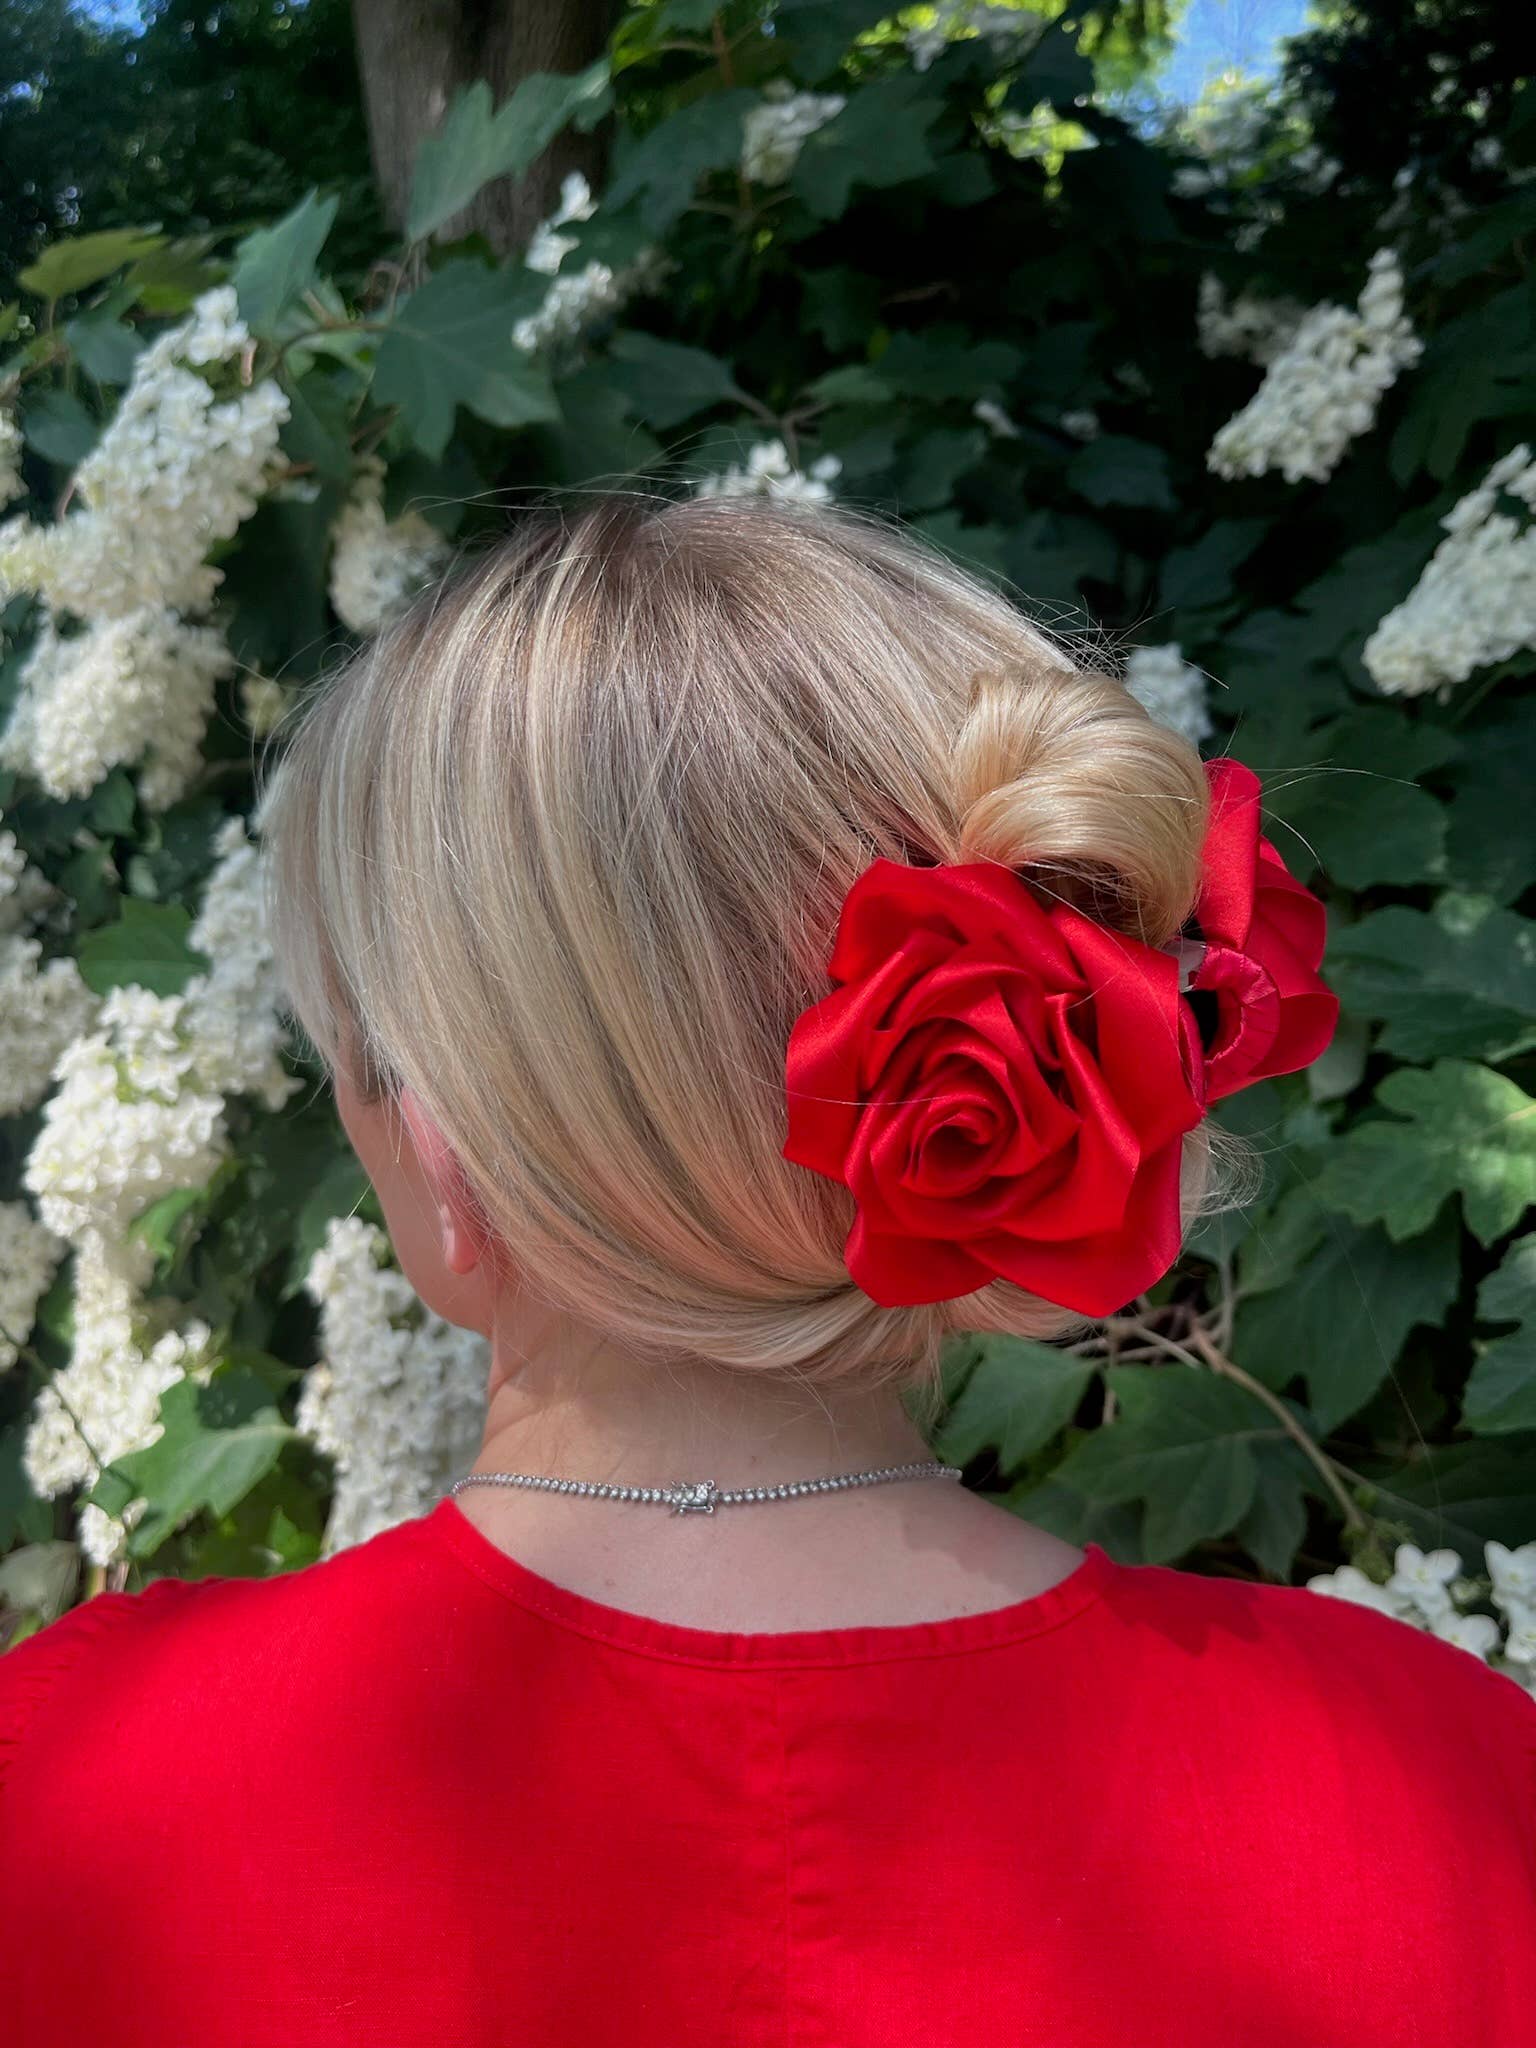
11, 485
263, 700
42, 1009
1324, 387
576, 300
1475, 602
998, 423
176, 471
135, 688
1246, 326
1171, 689
769, 473
1082, 423
1007, 31
233, 1014
378, 564
398, 1399
129, 1120
775, 130
139, 1113
110, 1389
29, 1255
1431, 1590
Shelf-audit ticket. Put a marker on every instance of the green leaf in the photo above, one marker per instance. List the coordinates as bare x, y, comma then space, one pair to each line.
1463, 1129
103, 346
880, 138
24, 1518
1490, 848
1475, 367
69, 266
58, 426
1200, 575
1113, 469
217, 1443
275, 264
1462, 980
1326, 1299
1500, 1394
148, 945
1274, 1525
665, 164
474, 145
1187, 1444
316, 429
1054, 70
1358, 827
1017, 1397
451, 344
944, 362
166, 1225
1457, 1496
664, 382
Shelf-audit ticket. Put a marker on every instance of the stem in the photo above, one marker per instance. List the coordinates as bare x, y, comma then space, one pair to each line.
1219, 1363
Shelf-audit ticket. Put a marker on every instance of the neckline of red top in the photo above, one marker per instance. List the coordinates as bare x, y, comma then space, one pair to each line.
862, 1644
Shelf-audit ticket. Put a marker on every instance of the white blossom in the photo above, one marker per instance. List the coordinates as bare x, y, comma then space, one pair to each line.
1259, 329
1475, 602
1348, 1582
1172, 689
398, 1399
11, 485
1421, 1581
1082, 423
768, 473
1007, 31
263, 700
998, 423
233, 1015
128, 1121
177, 470
576, 300
24, 892
775, 130
136, 688
1478, 1633
44, 1007
117, 1371
29, 1255
1323, 389
1429, 1590
378, 565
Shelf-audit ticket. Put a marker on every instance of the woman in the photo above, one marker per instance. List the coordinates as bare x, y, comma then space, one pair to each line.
746, 951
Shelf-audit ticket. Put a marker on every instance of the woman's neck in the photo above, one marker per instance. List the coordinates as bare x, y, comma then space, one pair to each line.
572, 1408
576, 1407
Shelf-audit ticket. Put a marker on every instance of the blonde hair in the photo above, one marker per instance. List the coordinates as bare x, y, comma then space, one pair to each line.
564, 850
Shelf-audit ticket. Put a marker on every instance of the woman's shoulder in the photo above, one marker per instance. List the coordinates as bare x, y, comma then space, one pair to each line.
97, 1675
1315, 1669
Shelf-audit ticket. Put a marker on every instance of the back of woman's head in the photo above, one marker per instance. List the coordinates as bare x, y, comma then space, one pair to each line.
564, 851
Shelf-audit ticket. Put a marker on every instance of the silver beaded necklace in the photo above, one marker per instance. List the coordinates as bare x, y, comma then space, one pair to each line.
702, 1496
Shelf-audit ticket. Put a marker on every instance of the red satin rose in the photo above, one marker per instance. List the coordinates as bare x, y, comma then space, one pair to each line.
1004, 1089
1264, 936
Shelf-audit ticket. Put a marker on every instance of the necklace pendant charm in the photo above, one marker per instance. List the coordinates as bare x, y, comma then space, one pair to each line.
694, 1497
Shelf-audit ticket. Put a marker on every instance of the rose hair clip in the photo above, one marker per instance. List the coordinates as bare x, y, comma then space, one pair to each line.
1004, 1086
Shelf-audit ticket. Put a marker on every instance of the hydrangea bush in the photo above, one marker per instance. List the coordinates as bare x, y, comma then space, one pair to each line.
1242, 408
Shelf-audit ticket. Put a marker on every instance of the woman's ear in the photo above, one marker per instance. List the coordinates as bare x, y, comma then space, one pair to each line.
466, 1231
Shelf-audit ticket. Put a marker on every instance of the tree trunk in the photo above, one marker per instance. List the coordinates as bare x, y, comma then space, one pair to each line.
414, 55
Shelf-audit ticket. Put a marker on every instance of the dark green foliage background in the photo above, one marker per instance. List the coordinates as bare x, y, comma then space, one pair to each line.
1375, 1302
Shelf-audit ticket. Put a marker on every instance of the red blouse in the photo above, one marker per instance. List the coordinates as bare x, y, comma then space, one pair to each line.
417, 1796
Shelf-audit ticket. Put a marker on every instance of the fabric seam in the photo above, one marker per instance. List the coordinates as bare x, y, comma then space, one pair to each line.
1091, 1598
779, 1720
